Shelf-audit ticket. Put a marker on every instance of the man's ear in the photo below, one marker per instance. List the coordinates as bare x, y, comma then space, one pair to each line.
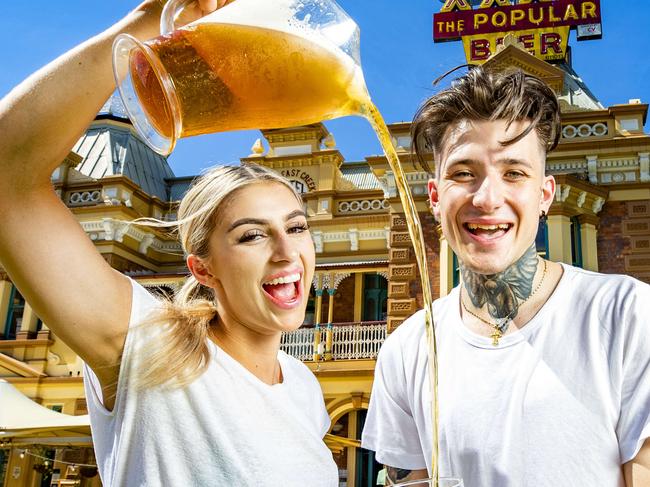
432, 191
200, 270
548, 194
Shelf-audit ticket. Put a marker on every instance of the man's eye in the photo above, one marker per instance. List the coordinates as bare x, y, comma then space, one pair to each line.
462, 175
515, 174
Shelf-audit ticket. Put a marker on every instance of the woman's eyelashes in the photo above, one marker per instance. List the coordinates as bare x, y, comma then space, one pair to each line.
257, 234
298, 228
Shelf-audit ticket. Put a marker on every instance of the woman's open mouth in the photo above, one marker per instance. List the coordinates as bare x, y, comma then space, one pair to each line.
285, 292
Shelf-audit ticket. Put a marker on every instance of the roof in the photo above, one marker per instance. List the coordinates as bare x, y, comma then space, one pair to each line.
108, 149
360, 175
576, 93
179, 186
114, 107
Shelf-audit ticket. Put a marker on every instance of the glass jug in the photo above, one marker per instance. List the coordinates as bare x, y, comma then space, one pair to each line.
252, 64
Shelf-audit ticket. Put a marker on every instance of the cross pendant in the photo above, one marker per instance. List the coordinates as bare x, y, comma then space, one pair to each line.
495, 337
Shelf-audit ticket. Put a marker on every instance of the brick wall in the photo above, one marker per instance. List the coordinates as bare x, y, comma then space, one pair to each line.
344, 301
432, 243
612, 245
624, 239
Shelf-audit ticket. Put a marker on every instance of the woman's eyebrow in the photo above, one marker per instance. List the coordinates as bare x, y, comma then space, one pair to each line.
260, 221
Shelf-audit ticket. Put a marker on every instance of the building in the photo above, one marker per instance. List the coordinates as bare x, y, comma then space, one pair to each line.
366, 278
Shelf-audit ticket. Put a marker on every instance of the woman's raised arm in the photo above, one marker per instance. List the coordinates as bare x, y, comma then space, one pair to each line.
42, 247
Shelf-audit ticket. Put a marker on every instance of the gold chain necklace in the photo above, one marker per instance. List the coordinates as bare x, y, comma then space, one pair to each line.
501, 324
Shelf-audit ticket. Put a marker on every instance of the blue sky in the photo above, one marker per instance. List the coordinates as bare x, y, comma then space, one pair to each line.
400, 61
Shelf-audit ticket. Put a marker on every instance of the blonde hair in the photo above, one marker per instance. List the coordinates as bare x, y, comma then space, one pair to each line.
181, 353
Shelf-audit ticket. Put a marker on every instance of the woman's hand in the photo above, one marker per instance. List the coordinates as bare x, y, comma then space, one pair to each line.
198, 9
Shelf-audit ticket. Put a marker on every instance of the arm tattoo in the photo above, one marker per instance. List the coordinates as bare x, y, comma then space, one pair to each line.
503, 292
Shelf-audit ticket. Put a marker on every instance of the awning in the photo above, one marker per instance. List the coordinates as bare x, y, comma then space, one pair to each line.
23, 420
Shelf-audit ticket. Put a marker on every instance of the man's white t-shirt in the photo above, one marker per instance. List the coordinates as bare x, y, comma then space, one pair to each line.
227, 428
562, 402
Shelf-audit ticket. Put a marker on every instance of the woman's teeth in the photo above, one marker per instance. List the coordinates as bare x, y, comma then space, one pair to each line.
283, 280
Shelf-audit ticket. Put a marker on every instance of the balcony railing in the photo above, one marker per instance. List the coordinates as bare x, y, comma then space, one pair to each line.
350, 341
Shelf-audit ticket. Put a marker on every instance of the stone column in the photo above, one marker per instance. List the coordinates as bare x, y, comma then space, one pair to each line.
588, 237
28, 325
559, 238
446, 267
330, 309
319, 306
328, 330
402, 269
358, 296
352, 451
5, 294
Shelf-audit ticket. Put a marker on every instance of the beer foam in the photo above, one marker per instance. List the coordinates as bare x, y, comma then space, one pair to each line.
279, 15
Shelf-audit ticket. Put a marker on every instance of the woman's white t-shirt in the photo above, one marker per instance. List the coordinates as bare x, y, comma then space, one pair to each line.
227, 428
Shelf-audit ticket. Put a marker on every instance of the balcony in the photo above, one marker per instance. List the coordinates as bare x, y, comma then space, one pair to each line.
350, 341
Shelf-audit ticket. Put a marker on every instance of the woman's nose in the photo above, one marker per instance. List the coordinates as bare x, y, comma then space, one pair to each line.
284, 249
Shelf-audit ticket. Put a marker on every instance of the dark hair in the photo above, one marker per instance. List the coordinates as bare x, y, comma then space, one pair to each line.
487, 95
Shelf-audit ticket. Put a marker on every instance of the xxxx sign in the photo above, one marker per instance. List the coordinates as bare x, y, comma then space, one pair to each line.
541, 26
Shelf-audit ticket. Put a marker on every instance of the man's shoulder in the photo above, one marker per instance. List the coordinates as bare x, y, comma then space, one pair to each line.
585, 281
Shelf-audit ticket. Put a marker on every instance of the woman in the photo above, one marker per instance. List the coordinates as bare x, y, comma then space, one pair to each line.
191, 393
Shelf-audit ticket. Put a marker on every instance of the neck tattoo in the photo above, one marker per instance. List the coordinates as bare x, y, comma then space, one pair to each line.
504, 293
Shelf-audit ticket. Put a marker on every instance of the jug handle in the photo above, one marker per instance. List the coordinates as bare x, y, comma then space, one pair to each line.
170, 12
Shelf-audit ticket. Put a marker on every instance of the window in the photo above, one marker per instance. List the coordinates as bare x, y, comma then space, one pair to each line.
310, 311
576, 242
456, 270
541, 240
375, 298
15, 314
4, 460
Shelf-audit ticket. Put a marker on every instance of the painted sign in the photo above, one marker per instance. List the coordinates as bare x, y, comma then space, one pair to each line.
300, 180
541, 26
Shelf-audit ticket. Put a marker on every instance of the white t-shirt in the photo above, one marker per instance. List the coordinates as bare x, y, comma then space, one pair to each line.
227, 428
563, 401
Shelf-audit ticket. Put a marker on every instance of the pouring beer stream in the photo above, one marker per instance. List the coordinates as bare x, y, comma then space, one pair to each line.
256, 64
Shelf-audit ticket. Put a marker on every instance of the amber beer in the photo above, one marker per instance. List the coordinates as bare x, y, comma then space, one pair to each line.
231, 77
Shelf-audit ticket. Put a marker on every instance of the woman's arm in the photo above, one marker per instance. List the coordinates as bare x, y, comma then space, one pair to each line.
42, 247
637, 471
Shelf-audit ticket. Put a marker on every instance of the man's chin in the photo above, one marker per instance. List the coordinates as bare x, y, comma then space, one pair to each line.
486, 264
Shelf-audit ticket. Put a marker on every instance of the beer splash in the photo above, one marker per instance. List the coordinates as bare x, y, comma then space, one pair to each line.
372, 114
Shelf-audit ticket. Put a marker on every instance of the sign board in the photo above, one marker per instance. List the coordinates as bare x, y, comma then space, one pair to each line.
542, 26
301, 180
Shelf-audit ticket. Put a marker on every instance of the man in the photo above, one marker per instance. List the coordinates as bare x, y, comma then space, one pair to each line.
544, 369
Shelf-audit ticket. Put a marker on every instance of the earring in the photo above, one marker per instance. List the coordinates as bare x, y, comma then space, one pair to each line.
543, 217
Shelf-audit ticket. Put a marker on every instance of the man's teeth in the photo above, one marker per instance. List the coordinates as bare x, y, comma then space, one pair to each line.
284, 280
476, 226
